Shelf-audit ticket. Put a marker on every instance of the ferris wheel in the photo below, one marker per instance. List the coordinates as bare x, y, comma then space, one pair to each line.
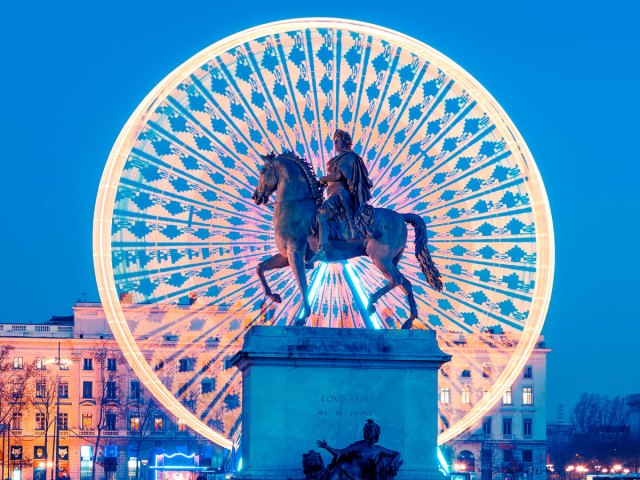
177, 236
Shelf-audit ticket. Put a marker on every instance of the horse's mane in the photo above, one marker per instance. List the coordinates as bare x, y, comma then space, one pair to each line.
315, 186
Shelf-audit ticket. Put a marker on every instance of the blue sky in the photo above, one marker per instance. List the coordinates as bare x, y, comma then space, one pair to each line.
567, 75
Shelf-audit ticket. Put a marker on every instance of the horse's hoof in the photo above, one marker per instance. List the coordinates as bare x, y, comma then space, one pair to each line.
407, 325
275, 297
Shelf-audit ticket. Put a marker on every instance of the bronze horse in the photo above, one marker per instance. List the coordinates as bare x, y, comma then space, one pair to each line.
299, 194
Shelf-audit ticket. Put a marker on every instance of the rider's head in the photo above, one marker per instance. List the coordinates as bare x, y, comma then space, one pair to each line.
342, 141
371, 432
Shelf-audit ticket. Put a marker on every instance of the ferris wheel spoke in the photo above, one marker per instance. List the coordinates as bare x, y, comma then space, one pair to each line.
265, 91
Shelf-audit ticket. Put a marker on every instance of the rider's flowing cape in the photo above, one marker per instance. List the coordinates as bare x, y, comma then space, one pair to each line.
355, 171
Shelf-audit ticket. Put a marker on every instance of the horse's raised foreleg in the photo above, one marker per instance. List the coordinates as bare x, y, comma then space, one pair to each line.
273, 263
296, 260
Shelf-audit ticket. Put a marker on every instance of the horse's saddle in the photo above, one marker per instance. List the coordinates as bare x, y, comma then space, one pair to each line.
340, 228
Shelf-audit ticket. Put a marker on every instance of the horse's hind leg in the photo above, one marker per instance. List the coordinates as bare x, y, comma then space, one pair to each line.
273, 263
395, 279
393, 276
408, 291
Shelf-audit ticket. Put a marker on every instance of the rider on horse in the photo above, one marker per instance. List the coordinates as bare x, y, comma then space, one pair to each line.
349, 190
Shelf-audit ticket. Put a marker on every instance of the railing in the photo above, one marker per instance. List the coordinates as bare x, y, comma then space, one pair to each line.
110, 433
37, 330
87, 431
507, 437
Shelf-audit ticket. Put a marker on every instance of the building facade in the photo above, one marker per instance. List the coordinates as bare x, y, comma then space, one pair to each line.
510, 442
69, 398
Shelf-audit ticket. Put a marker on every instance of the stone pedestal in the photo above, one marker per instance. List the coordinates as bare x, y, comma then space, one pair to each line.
301, 384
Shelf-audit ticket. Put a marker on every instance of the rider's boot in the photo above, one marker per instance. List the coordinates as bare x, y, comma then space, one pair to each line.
323, 239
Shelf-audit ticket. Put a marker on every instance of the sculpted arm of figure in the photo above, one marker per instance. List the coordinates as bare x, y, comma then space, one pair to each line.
331, 177
333, 451
385, 452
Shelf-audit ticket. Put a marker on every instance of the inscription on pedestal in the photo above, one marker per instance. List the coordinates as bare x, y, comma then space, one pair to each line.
345, 405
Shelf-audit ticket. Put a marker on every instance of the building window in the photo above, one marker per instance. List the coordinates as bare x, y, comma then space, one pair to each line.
445, 395
206, 386
16, 421
134, 391
17, 363
466, 373
17, 390
159, 365
466, 394
186, 364
87, 363
527, 395
41, 390
63, 421
40, 363
111, 390
87, 421
87, 389
527, 427
182, 425
40, 421
111, 364
528, 372
486, 371
110, 421
507, 455
486, 426
134, 423
527, 456
63, 390
507, 398
158, 422
507, 426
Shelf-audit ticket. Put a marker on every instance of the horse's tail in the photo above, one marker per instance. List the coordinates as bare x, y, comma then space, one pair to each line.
422, 252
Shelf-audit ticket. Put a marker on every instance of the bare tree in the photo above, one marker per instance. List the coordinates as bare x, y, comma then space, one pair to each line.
43, 388
15, 398
142, 412
595, 411
108, 394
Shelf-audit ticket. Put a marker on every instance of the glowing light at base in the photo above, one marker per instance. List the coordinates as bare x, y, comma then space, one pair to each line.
177, 238
443, 462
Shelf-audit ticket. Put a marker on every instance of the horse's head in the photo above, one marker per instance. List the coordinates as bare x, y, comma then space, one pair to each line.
268, 181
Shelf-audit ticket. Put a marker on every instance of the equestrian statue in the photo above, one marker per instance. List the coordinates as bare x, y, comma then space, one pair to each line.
309, 228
